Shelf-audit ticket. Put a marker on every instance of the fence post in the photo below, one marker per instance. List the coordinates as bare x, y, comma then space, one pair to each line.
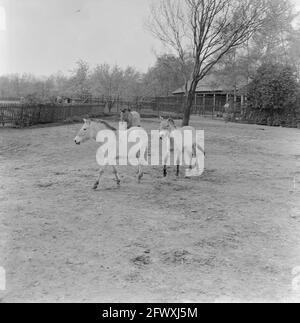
2, 118
214, 106
242, 106
39, 115
21, 116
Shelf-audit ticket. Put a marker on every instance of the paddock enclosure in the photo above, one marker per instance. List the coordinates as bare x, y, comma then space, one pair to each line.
24, 115
28, 115
231, 235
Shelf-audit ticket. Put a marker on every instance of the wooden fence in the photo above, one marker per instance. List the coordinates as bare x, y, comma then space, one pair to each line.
16, 114
146, 106
207, 105
27, 115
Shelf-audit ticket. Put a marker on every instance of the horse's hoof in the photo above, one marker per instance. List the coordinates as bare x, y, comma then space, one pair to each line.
140, 178
95, 186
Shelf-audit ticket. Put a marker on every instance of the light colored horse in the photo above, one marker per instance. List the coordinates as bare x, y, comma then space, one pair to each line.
132, 118
89, 131
169, 130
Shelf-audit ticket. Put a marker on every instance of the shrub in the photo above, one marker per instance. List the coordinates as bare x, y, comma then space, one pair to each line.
273, 95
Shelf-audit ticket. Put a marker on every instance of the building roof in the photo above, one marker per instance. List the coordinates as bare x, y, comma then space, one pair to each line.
213, 84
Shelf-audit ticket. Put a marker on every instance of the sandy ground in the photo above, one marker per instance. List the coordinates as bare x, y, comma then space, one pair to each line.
232, 235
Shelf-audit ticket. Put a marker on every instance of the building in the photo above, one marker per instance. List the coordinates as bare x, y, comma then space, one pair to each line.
213, 92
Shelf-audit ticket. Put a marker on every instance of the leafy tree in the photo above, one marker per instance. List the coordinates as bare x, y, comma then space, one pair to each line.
275, 42
274, 91
204, 30
165, 76
271, 41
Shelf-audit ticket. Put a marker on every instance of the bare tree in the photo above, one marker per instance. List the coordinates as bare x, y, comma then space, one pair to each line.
79, 82
205, 30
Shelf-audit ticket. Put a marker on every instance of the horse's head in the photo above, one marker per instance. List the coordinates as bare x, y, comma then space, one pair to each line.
85, 132
125, 115
166, 127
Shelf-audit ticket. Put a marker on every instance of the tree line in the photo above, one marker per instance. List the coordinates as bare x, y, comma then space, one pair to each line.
101, 81
250, 42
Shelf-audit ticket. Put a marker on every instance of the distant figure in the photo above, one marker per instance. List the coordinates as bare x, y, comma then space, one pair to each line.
226, 115
59, 100
132, 118
67, 100
227, 107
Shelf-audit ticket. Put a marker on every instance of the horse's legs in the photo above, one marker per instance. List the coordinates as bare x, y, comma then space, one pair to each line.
165, 162
165, 171
116, 175
177, 166
101, 172
193, 154
140, 173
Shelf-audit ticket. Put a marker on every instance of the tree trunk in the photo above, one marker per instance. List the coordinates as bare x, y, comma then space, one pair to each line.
189, 104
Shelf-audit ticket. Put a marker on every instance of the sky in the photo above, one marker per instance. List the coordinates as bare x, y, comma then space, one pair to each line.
46, 36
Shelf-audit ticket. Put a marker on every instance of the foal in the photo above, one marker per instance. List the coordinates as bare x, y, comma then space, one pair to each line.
89, 131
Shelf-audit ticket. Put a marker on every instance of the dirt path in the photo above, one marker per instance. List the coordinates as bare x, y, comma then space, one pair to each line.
232, 235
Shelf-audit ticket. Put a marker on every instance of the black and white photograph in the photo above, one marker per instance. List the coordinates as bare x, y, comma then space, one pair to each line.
150, 153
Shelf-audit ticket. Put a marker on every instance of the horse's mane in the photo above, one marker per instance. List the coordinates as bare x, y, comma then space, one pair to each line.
107, 125
172, 122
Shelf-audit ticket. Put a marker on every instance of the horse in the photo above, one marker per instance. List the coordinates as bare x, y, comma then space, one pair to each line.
132, 118
89, 131
169, 130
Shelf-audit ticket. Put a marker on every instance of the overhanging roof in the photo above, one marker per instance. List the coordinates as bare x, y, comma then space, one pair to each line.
212, 84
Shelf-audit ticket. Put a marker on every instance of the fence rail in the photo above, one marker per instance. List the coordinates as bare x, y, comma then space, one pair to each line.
23, 115
26, 115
